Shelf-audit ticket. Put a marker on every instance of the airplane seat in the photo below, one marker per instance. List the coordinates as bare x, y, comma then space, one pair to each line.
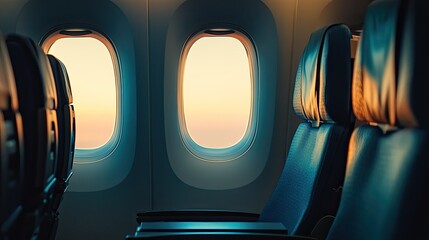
11, 146
37, 104
309, 186
308, 189
385, 194
66, 145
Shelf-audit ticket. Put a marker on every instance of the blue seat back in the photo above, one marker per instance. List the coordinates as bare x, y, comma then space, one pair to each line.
66, 143
11, 146
385, 194
315, 165
37, 105
66, 127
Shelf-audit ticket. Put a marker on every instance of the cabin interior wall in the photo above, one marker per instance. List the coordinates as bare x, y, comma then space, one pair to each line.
110, 214
9, 13
168, 191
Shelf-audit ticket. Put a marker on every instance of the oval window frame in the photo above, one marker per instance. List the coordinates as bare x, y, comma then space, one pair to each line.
238, 149
93, 155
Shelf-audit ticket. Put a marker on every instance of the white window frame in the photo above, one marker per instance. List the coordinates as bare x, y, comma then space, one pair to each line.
238, 149
93, 155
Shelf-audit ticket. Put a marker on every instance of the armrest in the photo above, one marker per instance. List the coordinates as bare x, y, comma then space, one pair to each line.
243, 227
214, 236
196, 216
213, 231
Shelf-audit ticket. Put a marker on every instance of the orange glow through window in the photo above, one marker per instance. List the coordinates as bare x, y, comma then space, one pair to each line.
92, 77
216, 90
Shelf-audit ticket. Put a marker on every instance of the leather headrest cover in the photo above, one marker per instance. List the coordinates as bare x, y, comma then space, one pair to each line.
374, 84
8, 97
62, 82
322, 85
335, 75
413, 80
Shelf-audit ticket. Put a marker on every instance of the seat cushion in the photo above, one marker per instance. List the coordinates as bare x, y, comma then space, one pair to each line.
314, 168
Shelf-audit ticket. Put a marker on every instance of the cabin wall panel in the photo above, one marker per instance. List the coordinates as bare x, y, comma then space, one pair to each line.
169, 191
284, 13
109, 213
9, 13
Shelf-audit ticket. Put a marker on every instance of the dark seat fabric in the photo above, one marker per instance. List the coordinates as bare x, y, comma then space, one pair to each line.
11, 144
38, 102
315, 166
385, 194
380, 200
412, 94
66, 129
66, 144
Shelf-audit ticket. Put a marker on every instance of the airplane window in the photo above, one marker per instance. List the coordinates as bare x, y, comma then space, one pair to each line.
216, 91
93, 80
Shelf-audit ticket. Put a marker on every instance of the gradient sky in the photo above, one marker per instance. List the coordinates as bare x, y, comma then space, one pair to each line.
92, 78
217, 91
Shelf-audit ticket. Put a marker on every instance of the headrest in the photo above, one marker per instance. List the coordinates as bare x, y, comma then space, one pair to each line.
62, 81
33, 74
374, 83
413, 81
335, 75
8, 97
322, 85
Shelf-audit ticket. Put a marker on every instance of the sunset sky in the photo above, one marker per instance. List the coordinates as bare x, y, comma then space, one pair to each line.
217, 91
92, 78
